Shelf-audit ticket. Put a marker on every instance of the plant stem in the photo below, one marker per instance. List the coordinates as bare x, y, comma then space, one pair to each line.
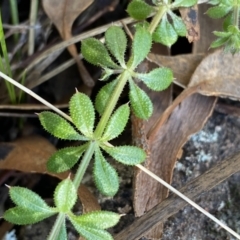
5, 65
84, 164
15, 18
54, 234
156, 19
236, 16
111, 104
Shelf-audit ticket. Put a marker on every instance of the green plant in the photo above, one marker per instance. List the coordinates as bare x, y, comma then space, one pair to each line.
5, 64
164, 28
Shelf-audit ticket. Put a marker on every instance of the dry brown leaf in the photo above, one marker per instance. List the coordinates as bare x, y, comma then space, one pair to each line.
190, 18
63, 13
221, 73
30, 154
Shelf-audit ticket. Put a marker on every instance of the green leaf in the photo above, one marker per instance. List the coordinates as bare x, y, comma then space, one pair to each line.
96, 53
23, 216
183, 3
117, 123
107, 72
219, 42
59, 127
65, 158
140, 102
128, 155
82, 113
165, 33
141, 46
158, 79
28, 199
227, 22
139, 9
222, 34
65, 195
218, 11
104, 95
116, 42
97, 219
178, 25
106, 177
91, 233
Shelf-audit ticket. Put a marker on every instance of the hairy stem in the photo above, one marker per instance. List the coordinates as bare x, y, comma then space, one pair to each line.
84, 164
54, 234
111, 104
157, 18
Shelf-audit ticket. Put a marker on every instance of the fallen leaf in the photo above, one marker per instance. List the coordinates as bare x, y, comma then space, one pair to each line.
221, 73
63, 13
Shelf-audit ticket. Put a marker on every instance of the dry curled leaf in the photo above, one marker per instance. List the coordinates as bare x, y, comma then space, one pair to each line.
63, 13
221, 73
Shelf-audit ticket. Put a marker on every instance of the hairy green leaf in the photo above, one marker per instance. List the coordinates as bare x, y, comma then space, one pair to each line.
227, 21
183, 3
65, 158
23, 216
140, 102
107, 72
96, 53
28, 199
116, 42
219, 42
59, 127
129, 155
178, 25
90, 233
97, 219
158, 79
141, 46
165, 33
82, 113
222, 34
139, 9
117, 123
218, 11
65, 195
106, 177
104, 95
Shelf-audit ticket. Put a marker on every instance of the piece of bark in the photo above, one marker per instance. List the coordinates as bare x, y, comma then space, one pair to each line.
161, 101
173, 204
207, 26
